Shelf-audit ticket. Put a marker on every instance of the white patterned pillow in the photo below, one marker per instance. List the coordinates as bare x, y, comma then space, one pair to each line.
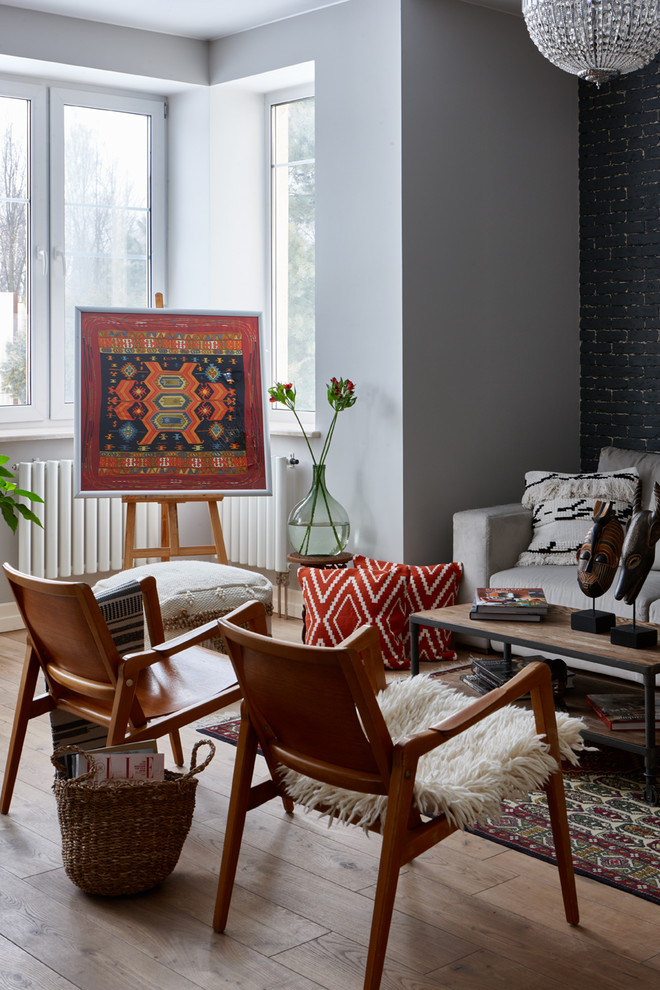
562, 508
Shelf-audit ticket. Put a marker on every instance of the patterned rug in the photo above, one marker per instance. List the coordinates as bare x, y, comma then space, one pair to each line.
615, 834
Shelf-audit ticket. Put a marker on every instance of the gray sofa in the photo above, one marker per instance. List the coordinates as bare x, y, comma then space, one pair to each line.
488, 542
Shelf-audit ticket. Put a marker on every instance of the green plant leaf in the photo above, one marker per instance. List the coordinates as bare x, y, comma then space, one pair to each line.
8, 515
28, 514
31, 495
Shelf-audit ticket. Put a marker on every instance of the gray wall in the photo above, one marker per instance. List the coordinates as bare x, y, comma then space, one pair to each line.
490, 266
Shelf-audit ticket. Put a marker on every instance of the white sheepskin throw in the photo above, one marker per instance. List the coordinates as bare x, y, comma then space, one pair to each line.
467, 777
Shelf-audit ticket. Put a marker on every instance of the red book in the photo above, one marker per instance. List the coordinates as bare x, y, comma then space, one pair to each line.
622, 712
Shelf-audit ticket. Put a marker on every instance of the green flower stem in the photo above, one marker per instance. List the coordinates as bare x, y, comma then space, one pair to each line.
304, 546
328, 439
334, 530
302, 428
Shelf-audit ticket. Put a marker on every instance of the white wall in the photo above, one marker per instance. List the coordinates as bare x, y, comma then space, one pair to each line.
355, 48
490, 262
189, 191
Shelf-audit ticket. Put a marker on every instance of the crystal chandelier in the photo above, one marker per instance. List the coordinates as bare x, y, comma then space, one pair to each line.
595, 39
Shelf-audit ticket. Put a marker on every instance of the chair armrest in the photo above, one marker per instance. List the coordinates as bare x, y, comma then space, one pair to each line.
534, 677
132, 663
366, 641
191, 638
489, 540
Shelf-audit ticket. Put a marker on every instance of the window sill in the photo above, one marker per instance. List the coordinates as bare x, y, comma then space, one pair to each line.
26, 433
282, 431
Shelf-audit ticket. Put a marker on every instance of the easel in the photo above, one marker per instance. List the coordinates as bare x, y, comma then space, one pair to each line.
169, 521
169, 529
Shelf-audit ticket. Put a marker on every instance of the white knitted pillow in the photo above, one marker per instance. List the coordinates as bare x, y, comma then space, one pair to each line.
563, 505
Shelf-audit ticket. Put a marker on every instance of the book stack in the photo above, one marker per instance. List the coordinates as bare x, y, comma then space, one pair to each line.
487, 673
510, 604
622, 712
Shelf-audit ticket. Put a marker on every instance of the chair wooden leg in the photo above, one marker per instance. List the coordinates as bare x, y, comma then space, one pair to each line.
24, 712
177, 748
546, 724
558, 819
391, 858
238, 808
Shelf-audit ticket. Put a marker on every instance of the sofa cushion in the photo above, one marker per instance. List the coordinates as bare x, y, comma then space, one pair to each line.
562, 508
648, 469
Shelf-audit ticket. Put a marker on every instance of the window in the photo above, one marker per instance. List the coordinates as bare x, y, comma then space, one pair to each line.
81, 224
293, 242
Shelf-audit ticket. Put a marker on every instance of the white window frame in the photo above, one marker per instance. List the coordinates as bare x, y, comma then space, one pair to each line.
281, 420
59, 98
37, 289
47, 411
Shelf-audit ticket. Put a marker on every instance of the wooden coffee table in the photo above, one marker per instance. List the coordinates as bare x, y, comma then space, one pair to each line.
553, 634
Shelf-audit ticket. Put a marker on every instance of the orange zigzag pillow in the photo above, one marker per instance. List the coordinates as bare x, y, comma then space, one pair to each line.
428, 586
340, 600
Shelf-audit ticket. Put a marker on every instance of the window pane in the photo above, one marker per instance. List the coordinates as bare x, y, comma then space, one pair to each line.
14, 225
293, 247
106, 214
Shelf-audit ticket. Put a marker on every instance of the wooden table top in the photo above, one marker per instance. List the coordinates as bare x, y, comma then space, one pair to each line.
552, 634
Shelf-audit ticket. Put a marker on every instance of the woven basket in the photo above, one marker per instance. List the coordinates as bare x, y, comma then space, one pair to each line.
123, 837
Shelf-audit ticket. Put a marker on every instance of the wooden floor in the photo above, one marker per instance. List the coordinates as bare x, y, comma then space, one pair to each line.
470, 915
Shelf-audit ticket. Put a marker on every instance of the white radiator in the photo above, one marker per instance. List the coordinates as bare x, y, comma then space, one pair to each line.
86, 535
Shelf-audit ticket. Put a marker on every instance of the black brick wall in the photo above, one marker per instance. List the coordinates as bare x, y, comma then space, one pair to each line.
619, 165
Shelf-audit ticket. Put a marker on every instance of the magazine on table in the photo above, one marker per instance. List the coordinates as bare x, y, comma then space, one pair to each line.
510, 601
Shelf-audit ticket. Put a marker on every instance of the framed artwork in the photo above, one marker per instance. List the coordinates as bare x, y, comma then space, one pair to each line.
170, 402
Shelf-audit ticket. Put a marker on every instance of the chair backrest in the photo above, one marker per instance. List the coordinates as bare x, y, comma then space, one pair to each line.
313, 708
69, 636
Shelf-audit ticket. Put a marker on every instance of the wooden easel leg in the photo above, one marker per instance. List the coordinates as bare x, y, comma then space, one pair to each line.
216, 526
173, 528
164, 528
129, 536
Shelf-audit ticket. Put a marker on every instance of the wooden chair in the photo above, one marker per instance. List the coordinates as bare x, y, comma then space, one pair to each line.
139, 696
314, 711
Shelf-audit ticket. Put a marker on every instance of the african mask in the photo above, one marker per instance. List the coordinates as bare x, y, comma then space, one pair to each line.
639, 547
598, 557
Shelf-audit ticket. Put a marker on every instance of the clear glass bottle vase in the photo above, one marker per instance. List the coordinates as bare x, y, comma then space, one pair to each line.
318, 525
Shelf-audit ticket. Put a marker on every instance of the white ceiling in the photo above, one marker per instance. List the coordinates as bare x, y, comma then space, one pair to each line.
201, 19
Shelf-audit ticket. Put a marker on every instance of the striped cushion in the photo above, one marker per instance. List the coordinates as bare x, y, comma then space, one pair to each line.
123, 612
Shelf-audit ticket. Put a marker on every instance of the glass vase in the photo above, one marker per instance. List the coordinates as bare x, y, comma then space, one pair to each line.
318, 525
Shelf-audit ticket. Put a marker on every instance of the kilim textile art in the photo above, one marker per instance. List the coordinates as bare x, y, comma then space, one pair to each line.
615, 835
170, 402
